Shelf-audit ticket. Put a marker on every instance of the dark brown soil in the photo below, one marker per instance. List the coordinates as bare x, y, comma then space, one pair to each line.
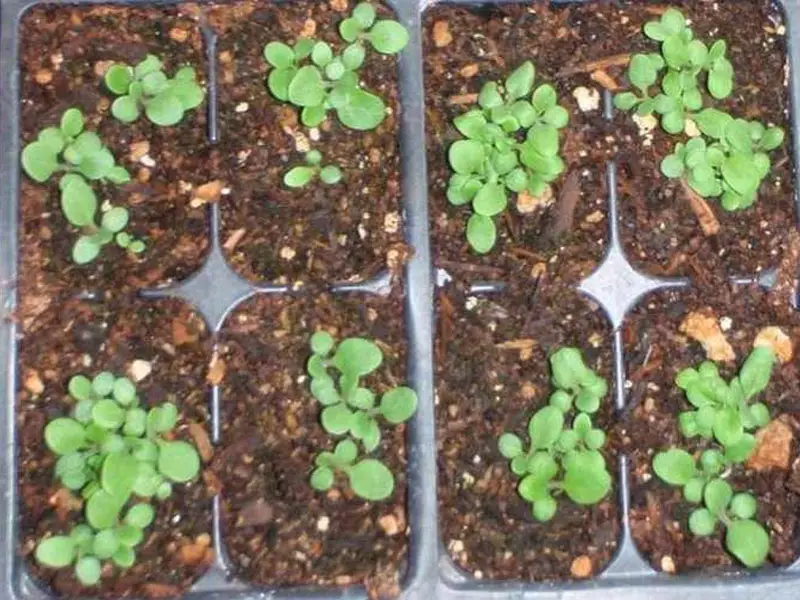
495, 39
275, 523
82, 337
659, 231
483, 391
656, 351
318, 232
65, 48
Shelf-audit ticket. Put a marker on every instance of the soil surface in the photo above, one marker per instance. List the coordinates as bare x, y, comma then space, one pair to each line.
483, 391
64, 53
86, 338
319, 232
656, 351
486, 44
660, 232
279, 530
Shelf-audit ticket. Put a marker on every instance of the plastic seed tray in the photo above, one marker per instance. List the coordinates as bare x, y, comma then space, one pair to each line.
215, 290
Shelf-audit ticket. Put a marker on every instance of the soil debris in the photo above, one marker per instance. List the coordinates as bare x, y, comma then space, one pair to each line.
581, 567
564, 211
703, 327
254, 513
527, 203
605, 80
702, 210
616, 60
216, 370
773, 446
775, 338
441, 34
200, 436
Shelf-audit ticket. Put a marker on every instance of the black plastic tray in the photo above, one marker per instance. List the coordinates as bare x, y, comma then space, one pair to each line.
215, 290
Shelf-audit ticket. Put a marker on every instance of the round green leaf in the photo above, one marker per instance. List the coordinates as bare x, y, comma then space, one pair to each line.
56, 552
115, 219
278, 82
102, 384
118, 78
353, 56
362, 111
466, 156
102, 509
64, 436
78, 202
625, 100
129, 535
330, 174
106, 543
178, 461
675, 466
641, 72
118, 474
162, 418
306, 87
584, 482
364, 13
321, 478
322, 343
510, 445
322, 54
39, 161
717, 495
140, 515
371, 480
188, 93
165, 109
87, 570
748, 541
80, 387
720, 80
108, 414
595, 439
561, 400
544, 509
154, 83
672, 166
693, 490
557, 116
124, 557
397, 405
727, 426
490, 200
279, 55
673, 122
388, 37
298, 176
357, 356
126, 109
744, 506
772, 138
702, 522
71, 122
337, 419
350, 29
545, 426
568, 440
481, 233
520, 83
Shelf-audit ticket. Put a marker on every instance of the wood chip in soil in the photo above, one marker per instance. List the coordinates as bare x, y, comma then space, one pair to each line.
655, 352
485, 390
86, 338
318, 232
278, 530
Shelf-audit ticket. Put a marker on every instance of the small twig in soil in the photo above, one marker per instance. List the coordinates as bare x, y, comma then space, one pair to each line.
513, 224
564, 210
446, 312
615, 60
461, 266
520, 344
463, 99
604, 79
701, 209
522, 252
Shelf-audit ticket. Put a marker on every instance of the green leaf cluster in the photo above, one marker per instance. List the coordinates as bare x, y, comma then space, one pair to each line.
313, 77
81, 156
353, 410
511, 145
729, 159
729, 163
145, 87
683, 59
116, 456
562, 458
723, 410
302, 175
703, 484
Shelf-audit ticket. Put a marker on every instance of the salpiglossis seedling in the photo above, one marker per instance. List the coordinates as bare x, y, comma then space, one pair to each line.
117, 456
313, 77
724, 410
511, 145
80, 155
561, 458
145, 87
351, 409
745, 538
302, 175
685, 59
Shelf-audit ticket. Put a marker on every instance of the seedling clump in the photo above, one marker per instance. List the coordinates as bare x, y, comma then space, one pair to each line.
511, 145
80, 155
562, 458
352, 410
117, 456
313, 77
729, 159
723, 414
302, 175
146, 87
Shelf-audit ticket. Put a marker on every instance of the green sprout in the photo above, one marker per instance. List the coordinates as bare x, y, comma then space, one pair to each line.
351, 409
117, 456
561, 458
147, 87
301, 176
723, 410
511, 145
732, 164
330, 81
745, 538
81, 155
685, 58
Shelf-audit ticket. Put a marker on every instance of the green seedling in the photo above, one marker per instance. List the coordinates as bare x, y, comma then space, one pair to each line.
745, 538
146, 87
684, 59
351, 409
511, 145
69, 149
302, 175
369, 478
731, 165
81, 155
311, 76
561, 458
117, 456
724, 411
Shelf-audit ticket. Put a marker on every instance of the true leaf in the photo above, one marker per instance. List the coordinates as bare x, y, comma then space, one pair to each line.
165, 109
520, 82
388, 37
362, 111
583, 482
481, 233
178, 461
748, 541
510, 445
279, 55
675, 466
756, 371
545, 426
371, 480
64, 436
